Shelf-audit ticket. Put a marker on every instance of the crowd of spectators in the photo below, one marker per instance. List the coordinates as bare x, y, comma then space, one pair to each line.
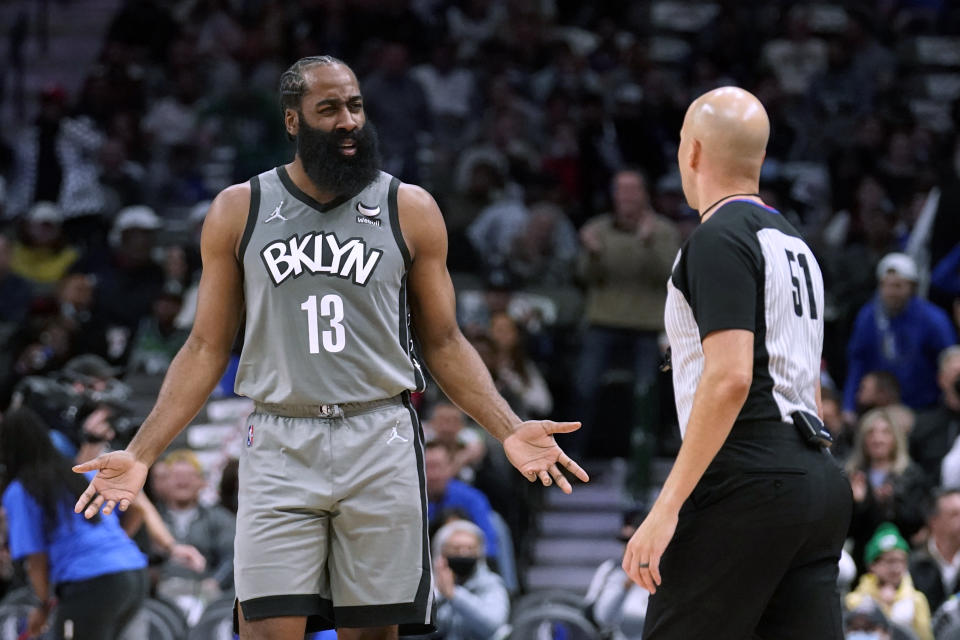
547, 131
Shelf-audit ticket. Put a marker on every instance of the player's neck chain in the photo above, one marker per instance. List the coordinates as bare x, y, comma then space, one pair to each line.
732, 195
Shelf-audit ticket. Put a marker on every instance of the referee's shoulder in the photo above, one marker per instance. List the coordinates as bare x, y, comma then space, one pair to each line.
725, 224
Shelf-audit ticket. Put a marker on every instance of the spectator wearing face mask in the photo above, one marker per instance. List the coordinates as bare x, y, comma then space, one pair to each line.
474, 603
866, 622
888, 583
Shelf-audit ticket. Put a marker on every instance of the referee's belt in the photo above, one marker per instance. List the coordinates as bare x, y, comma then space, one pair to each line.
326, 411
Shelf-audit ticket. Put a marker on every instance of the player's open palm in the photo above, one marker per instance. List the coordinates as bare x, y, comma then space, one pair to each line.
120, 477
533, 451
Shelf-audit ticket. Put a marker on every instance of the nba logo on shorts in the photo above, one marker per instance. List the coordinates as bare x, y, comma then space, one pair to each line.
250, 436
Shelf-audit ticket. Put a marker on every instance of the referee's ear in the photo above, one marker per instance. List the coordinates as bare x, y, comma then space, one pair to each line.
696, 150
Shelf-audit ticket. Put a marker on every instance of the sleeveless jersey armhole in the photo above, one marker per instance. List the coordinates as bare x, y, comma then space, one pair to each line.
251, 218
395, 222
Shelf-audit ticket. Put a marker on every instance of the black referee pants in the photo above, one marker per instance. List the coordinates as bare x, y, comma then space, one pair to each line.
756, 550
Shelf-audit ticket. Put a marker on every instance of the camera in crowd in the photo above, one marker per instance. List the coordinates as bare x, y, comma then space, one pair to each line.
66, 399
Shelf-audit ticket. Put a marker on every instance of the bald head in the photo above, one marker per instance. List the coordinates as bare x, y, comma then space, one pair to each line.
723, 141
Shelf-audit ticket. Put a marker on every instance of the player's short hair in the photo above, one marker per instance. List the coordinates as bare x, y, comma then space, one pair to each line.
293, 85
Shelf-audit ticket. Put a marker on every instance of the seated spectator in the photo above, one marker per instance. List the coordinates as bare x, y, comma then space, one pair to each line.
76, 295
15, 291
210, 529
887, 485
935, 566
614, 602
158, 339
900, 333
867, 622
447, 426
877, 389
128, 280
446, 493
843, 433
888, 583
936, 430
517, 377
473, 603
544, 250
43, 255
41, 346
74, 564
121, 177
493, 232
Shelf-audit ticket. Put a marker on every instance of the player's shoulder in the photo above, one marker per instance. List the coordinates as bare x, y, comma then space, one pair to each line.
231, 206
235, 196
226, 219
418, 211
416, 199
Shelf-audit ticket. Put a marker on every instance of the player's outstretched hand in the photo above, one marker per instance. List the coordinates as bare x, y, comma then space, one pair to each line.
120, 477
533, 451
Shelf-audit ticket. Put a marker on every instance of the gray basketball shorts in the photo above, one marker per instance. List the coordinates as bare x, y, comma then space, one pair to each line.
332, 521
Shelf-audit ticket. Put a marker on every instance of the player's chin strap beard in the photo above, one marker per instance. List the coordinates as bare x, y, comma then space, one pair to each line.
732, 195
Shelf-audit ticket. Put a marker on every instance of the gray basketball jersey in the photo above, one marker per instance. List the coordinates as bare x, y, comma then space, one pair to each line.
325, 291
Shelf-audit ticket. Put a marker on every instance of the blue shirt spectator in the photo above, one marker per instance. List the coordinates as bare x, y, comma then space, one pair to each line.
899, 333
446, 494
86, 563
77, 548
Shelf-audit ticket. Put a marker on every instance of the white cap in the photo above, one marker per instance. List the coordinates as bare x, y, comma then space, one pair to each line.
45, 212
900, 264
136, 217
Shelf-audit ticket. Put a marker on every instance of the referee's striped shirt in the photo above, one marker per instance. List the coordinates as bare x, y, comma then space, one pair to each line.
747, 268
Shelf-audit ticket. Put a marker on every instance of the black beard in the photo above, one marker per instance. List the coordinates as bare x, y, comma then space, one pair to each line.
327, 167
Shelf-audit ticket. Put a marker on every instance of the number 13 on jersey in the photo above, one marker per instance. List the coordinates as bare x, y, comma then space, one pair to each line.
330, 307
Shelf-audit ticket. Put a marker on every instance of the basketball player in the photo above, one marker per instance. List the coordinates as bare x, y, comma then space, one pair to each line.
323, 257
745, 537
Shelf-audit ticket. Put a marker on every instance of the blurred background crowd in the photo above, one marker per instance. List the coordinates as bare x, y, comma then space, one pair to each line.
547, 131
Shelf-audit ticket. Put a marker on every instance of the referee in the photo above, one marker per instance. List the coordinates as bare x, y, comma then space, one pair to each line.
744, 539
